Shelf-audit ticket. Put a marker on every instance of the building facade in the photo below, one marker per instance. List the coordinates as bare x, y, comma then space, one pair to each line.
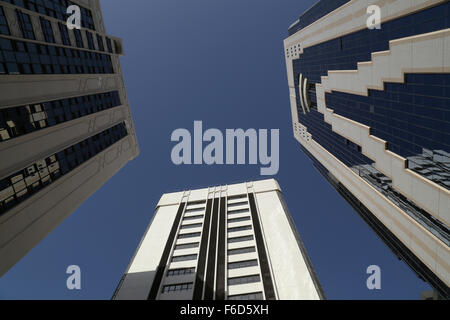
235, 242
371, 108
65, 122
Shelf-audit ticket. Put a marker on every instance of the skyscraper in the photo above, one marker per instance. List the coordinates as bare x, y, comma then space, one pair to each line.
371, 108
65, 122
235, 242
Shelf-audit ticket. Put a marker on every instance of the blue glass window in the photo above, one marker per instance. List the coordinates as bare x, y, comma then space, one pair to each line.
4, 29
25, 25
64, 34
20, 57
90, 40
101, 47
56, 9
78, 38
413, 117
23, 184
22, 120
47, 30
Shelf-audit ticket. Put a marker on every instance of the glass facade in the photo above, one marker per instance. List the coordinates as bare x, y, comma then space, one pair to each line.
345, 52
397, 247
4, 28
413, 117
90, 40
65, 38
22, 120
319, 10
23, 184
25, 25
47, 30
56, 9
101, 47
22, 57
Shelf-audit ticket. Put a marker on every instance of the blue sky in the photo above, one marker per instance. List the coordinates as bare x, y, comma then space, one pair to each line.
221, 62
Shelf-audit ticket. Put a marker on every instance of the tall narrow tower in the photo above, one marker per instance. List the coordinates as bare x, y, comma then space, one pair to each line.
371, 107
235, 242
65, 122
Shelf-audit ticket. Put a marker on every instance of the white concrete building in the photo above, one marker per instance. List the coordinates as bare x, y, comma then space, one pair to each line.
65, 122
234, 242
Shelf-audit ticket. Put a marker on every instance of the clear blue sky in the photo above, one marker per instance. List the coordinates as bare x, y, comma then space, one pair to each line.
221, 62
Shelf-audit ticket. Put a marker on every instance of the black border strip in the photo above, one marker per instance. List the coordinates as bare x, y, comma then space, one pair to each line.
263, 260
220, 276
200, 280
210, 272
165, 256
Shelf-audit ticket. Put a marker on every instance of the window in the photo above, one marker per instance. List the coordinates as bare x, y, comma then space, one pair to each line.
243, 228
109, 45
200, 216
64, 34
189, 235
4, 29
244, 280
238, 211
191, 203
18, 121
180, 272
191, 226
188, 257
238, 219
47, 30
177, 287
90, 40
195, 210
247, 296
241, 250
243, 264
56, 9
241, 196
101, 47
236, 204
240, 239
24, 183
25, 25
78, 38
21, 57
86, 19
187, 246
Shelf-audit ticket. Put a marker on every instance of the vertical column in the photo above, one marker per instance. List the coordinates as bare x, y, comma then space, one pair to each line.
262, 255
200, 280
221, 249
211, 271
165, 256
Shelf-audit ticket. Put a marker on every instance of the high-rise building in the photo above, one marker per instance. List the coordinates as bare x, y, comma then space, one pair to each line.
65, 122
371, 107
235, 242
